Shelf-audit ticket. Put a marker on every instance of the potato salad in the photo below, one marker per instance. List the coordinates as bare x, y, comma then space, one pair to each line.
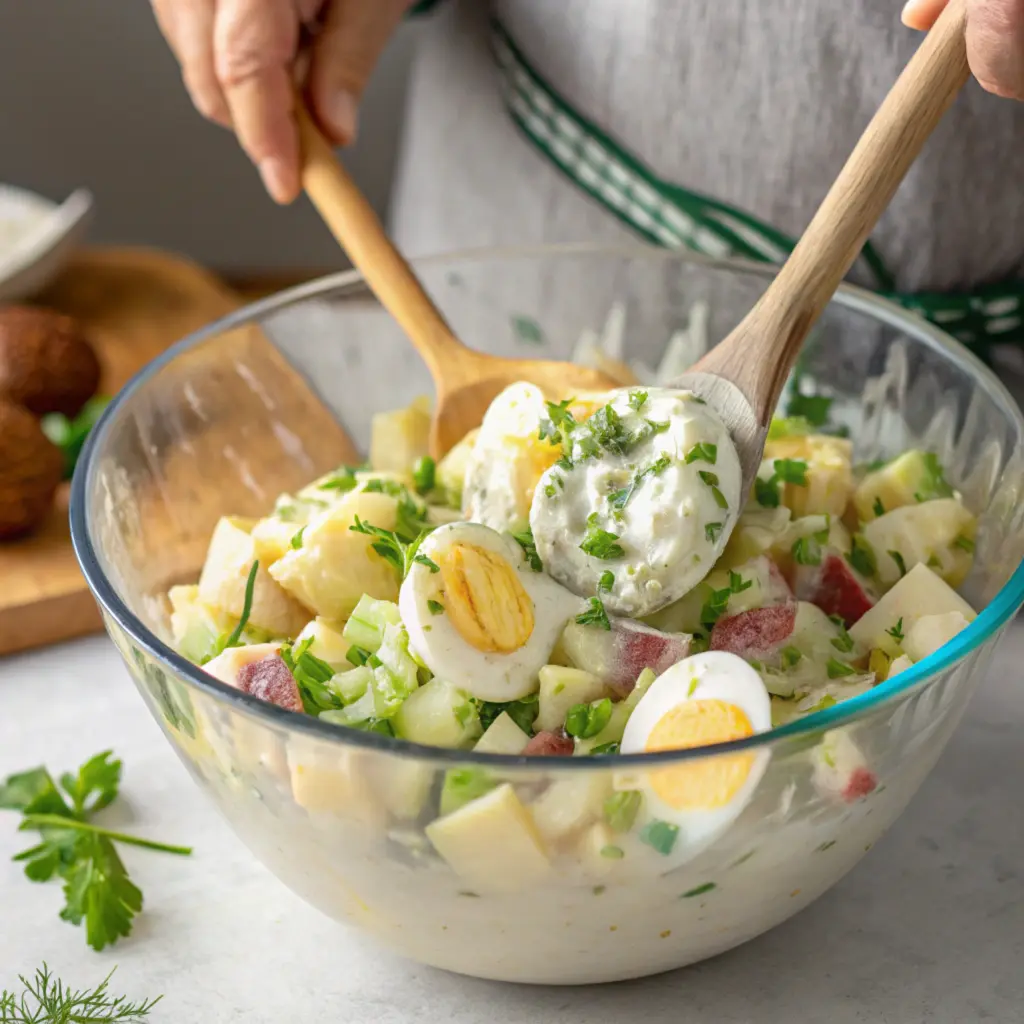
584, 577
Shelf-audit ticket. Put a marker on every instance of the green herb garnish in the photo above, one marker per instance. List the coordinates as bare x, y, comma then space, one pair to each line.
712, 531
620, 809
718, 601
612, 852
862, 556
897, 631
296, 541
311, 675
604, 748
900, 564
424, 473
790, 656
620, 499
828, 701
660, 836
964, 544
599, 542
586, 720
606, 582
523, 712
436, 608
524, 538
595, 615
343, 479
843, 642
702, 452
45, 1000
701, 889
807, 550
790, 471
637, 400
97, 889
837, 669
812, 408
878, 507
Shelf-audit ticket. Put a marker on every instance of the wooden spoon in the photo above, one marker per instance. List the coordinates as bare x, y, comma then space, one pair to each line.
466, 380
743, 376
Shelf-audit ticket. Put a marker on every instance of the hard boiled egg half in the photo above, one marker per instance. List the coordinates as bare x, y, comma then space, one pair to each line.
708, 698
478, 616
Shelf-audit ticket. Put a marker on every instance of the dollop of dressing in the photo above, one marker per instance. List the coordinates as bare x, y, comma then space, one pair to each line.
642, 501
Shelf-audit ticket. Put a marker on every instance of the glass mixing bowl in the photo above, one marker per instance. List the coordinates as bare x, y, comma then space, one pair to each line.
261, 402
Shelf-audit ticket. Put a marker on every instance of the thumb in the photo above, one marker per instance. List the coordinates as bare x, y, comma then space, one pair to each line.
352, 37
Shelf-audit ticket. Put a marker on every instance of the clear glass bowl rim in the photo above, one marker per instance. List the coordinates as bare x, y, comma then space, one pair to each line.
992, 618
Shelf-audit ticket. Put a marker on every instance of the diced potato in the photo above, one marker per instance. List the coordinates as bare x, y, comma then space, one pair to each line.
841, 771
336, 566
597, 851
900, 664
196, 627
931, 533
399, 438
272, 538
561, 689
451, 470
328, 781
569, 804
402, 786
223, 581
912, 477
492, 843
921, 592
758, 531
226, 665
503, 736
438, 714
326, 643
829, 473
931, 632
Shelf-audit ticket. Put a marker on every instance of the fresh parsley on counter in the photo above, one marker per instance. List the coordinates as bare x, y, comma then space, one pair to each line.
97, 889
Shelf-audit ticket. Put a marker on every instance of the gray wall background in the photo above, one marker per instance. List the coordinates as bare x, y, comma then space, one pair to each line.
90, 96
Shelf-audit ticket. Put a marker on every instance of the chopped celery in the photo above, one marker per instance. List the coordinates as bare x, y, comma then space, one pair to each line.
351, 685
365, 627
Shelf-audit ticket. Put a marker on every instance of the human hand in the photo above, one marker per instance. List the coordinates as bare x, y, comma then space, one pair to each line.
238, 59
995, 40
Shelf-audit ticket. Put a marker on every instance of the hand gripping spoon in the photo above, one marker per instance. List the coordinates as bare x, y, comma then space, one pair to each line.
466, 381
743, 376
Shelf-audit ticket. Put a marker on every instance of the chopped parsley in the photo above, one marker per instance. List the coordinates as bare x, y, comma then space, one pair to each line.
436, 608
343, 479
790, 656
523, 712
703, 452
620, 499
606, 582
843, 642
712, 531
813, 408
789, 471
718, 600
900, 564
524, 538
620, 809
700, 890
878, 507
586, 720
311, 675
599, 542
660, 836
897, 631
837, 669
862, 556
964, 544
558, 424
358, 655
637, 400
595, 615
234, 638
933, 483
711, 479
296, 541
807, 550
424, 473
390, 546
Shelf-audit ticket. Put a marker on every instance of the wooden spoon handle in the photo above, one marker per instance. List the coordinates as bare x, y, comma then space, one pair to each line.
760, 352
360, 233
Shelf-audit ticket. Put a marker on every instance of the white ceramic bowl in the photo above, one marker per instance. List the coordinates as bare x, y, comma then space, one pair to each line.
36, 238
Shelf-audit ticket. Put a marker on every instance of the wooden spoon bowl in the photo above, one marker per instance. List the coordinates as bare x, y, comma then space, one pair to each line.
466, 380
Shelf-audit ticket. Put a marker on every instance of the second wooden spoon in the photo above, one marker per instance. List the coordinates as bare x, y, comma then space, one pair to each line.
743, 376
466, 381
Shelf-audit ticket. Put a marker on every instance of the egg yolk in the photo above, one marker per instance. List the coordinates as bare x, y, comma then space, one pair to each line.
713, 781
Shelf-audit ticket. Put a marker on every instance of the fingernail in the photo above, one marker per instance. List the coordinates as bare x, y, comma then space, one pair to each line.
276, 179
343, 114
909, 10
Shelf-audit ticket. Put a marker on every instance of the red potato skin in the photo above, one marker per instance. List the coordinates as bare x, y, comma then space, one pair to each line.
862, 781
755, 633
270, 680
549, 744
638, 647
836, 590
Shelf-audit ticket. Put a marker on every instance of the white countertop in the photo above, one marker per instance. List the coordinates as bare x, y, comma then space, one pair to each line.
929, 927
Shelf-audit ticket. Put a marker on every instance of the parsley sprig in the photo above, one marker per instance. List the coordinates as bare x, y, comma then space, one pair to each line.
97, 889
807, 550
400, 546
784, 471
620, 499
599, 542
524, 538
595, 615
718, 600
47, 1000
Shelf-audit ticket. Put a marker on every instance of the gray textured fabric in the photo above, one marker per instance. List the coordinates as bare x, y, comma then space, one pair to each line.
755, 103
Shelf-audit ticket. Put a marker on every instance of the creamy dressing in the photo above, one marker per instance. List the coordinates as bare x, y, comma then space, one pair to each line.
655, 512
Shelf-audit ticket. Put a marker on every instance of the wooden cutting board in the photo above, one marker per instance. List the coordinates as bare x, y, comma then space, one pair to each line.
134, 303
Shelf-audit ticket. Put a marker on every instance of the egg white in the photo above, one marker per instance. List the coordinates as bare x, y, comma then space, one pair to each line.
711, 675
438, 644
497, 487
